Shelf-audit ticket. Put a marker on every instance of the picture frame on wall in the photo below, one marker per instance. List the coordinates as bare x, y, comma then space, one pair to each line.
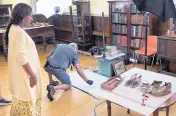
119, 67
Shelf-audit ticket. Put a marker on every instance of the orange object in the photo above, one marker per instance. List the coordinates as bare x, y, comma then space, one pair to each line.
151, 46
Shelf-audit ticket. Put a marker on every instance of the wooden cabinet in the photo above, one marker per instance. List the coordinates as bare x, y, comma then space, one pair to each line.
166, 48
166, 55
81, 21
5, 12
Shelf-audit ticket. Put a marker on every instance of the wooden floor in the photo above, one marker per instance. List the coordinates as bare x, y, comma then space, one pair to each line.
73, 102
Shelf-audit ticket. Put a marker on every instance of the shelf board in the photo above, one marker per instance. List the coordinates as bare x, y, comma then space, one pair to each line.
78, 40
100, 34
122, 45
139, 24
118, 33
64, 40
134, 48
133, 37
5, 16
119, 12
120, 23
137, 13
78, 25
65, 29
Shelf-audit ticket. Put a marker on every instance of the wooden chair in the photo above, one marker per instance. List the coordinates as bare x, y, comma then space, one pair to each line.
151, 49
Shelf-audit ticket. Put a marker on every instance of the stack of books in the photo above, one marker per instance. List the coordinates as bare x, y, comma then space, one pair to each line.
111, 51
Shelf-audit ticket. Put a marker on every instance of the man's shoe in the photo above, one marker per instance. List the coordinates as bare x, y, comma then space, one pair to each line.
51, 92
4, 102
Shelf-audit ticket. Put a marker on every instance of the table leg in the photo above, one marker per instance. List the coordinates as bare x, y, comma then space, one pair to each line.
156, 112
109, 107
167, 111
157, 66
128, 111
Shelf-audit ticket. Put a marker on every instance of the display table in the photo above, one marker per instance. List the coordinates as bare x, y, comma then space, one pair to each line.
131, 98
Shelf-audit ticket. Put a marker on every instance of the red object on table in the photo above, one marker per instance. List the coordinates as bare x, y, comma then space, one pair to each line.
111, 83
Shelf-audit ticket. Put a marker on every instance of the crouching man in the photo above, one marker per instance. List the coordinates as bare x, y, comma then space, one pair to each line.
58, 60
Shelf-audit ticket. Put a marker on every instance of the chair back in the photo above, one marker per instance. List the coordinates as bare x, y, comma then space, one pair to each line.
152, 42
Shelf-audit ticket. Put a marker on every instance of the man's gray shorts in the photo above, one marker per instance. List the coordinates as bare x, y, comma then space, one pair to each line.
60, 74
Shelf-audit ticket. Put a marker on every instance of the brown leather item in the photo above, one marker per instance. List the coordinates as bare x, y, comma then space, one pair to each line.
111, 83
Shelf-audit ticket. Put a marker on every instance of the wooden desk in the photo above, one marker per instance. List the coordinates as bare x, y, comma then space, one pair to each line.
44, 32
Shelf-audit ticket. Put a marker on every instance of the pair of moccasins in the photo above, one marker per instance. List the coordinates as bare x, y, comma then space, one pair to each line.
134, 81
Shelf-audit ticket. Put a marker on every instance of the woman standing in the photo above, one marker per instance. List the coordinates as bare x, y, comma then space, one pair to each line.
23, 65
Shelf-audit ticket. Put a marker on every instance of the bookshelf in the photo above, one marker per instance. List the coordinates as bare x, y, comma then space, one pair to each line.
81, 21
127, 26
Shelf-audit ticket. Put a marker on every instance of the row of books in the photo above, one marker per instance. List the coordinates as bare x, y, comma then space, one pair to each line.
136, 43
137, 19
120, 40
119, 18
138, 31
117, 28
134, 9
119, 8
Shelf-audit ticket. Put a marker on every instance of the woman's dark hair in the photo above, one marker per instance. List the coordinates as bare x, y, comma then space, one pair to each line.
19, 12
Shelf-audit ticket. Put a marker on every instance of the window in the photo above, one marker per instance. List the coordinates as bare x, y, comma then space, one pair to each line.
46, 7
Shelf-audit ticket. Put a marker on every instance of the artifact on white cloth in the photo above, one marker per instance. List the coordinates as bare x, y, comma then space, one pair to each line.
37, 24
134, 81
92, 69
111, 83
156, 88
171, 32
119, 67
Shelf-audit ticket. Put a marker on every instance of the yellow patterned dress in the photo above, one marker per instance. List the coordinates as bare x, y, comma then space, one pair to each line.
24, 108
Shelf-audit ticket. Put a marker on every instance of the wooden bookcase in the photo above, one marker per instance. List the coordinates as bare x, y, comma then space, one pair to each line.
5, 12
127, 26
81, 23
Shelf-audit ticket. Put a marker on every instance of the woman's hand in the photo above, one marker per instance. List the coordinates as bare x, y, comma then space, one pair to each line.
33, 80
